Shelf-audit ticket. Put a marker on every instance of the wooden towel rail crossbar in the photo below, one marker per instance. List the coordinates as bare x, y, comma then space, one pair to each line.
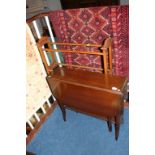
104, 50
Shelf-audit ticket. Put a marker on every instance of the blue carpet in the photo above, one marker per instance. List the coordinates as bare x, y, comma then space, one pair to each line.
79, 135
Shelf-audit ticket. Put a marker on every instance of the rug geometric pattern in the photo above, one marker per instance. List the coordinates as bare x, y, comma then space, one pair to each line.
93, 25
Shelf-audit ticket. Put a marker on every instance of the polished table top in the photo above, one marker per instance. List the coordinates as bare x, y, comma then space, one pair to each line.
91, 79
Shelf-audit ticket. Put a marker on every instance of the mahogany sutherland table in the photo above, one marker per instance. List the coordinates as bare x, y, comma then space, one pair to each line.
92, 93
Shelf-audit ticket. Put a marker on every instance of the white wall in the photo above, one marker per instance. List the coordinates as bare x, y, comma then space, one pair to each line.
122, 2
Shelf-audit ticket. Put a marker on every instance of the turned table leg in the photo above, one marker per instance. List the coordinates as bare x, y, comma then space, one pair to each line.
64, 113
63, 110
117, 131
117, 127
109, 125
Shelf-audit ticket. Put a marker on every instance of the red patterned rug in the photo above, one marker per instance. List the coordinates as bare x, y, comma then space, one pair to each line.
93, 25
